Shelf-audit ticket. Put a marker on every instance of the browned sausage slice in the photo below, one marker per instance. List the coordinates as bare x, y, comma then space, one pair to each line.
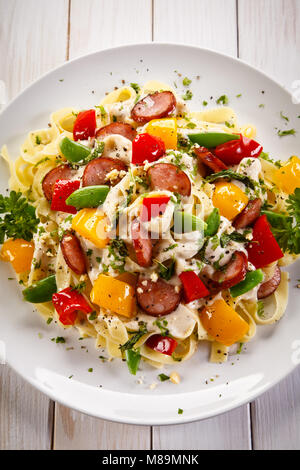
120, 128
169, 177
142, 244
230, 274
156, 298
96, 171
267, 288
72, 253
206, 157
154, 106
248, 215
62, 172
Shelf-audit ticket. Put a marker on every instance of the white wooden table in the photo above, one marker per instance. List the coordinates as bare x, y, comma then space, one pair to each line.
37, 35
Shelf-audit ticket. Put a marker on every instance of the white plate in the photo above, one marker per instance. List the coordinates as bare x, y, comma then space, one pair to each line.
267, 359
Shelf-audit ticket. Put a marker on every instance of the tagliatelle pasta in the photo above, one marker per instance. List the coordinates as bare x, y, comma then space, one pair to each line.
147, 246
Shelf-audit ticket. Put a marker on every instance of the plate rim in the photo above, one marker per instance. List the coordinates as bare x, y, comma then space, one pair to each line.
177, 419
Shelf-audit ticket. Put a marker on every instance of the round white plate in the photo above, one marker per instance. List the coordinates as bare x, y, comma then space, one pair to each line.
109, 391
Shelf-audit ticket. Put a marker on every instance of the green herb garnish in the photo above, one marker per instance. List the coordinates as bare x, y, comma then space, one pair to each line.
20, 220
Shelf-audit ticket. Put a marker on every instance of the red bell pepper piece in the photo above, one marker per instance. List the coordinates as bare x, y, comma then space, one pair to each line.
153, 207
234, 151
263, 249
85, 125
193, 287
147, 147
162, 344
62, 190
67, 303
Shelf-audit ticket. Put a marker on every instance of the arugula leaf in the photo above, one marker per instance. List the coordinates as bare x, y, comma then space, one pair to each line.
231, 175
19, 220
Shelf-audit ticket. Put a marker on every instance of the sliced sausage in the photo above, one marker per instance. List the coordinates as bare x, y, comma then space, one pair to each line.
270, 286
248, 215
154, 106
169, 177
142, 244
156, 298
62, 172
73, 253
95, 173
120, 128
212, 162
230, 274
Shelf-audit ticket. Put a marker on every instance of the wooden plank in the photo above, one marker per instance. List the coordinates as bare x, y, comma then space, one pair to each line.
212, 24
99, 24
276, 416
94, 25
271, 39
206, 23
275, 27
229, 431
26, 415
33, 38
75, 430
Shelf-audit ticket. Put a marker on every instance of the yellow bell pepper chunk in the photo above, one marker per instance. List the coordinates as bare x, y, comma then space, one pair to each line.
223, 323
92, 225
288, 177
19, 252
115, 295
229, 199
166, 129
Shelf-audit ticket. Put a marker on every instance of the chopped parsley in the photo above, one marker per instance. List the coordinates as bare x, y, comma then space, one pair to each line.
163, 377
79, 287
38, 140
223, 100
287, 132
240, 348
284, 117
204, 103
166, 270
136, 87
49, 320
135, 338
117, 251
19, 220
59, 339
93, 316
186, 81
162, 325
187, 96
90, 369
180, 411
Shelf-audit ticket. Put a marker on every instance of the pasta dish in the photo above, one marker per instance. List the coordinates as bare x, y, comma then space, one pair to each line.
151, 227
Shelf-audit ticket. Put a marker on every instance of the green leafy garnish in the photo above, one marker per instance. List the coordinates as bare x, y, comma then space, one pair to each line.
186, 81
234, 236
79, 287
288, 132
166, 271
162, 325
134, 339
38, 140
117, 251
163, 377
286, 226
20, 220
284, 117
135, 86
188, 95
223, 100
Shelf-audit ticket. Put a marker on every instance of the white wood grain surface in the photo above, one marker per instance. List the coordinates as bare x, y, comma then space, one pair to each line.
269, 38
263, 32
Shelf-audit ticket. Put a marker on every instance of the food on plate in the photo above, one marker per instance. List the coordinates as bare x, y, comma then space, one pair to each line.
150, 227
